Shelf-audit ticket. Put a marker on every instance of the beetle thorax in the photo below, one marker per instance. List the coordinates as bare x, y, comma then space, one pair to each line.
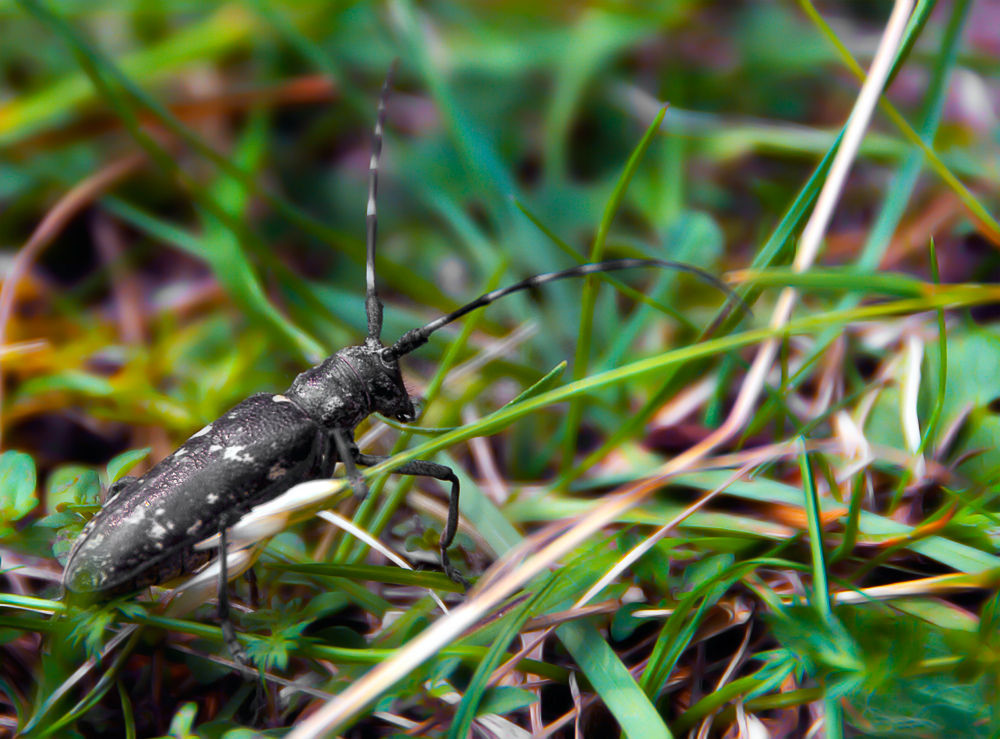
351, 385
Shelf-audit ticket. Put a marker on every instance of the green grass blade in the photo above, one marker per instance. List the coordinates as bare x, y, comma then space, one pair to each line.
589, 290
839, 279
921, 14
615, 685
935, 418
776, 248
821, 587
227, 29
979, 212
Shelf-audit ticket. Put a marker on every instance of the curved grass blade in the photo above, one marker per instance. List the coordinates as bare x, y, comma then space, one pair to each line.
589, 291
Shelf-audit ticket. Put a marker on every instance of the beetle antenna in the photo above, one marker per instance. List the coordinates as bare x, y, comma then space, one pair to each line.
373, 306
418, 337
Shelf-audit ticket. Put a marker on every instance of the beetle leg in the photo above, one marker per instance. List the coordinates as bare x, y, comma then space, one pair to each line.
420, 468
228, 630
118, 486
348, 454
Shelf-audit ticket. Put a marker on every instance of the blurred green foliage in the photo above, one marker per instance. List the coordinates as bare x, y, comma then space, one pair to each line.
232, 258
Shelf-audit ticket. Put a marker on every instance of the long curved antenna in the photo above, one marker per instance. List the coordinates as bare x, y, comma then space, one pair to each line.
373, 306
418, 337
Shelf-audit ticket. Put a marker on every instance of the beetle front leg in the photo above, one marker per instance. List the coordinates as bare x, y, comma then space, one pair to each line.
420, 468
348, 454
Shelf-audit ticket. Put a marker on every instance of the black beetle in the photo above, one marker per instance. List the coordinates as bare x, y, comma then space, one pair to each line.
147, 531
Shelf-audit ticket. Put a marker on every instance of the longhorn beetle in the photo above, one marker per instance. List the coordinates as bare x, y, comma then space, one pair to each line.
146, 532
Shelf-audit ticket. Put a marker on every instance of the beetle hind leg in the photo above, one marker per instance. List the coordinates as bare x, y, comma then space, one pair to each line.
225, 622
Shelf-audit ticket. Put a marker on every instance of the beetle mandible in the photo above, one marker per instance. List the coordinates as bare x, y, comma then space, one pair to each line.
147, 531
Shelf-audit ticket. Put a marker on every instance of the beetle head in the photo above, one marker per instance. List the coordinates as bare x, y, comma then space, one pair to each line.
386, 389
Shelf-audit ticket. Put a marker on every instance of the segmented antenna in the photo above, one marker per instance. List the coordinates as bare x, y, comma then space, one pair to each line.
373, 306
418, 337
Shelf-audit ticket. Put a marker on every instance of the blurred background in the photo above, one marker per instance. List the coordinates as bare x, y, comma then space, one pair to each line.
156, 313
182, 210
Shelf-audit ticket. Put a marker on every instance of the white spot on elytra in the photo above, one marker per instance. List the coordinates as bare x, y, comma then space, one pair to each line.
202, 432
235, 453
280, 399
137, 516
160, 512
215, 447
157, 531
193, 528
212, 497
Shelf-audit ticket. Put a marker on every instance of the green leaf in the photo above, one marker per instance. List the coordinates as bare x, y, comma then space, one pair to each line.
972, 378
272, 652
705, 570
58, 520
17, 489
624, 623
71, 484
883, 665
69, 381
120, 465
182, 724
90, 626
